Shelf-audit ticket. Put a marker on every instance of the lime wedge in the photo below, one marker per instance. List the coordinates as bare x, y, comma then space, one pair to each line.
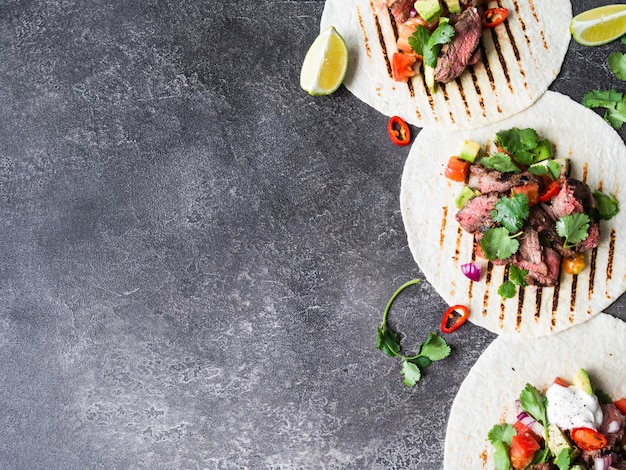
325, 64
599, 25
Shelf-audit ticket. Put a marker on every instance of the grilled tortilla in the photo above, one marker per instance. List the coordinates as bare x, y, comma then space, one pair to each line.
440, 246
520, 59
488, 393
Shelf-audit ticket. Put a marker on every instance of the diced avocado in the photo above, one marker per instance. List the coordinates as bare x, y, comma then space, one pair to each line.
542, 151
577, 467
553, 167
465, 195
581, 380
453, 6
557, 440
429, 76
469, 150
429, 10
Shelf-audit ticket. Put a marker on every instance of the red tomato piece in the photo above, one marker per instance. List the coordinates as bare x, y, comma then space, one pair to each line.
531, 190
588, 439
457, 169
402, 66
522, 450
621, 405
492, 17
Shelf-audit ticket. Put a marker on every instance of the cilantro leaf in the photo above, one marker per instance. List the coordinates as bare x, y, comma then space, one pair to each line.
411, 373
501, 432
507, 290
519, 143
603, 397
534, 403
511, 212
500, 161
518, 275
617, 64
612, 101
501, 459
563, 460
498, 244
428, 44
387, 341
434, 348
606, 205
573, 228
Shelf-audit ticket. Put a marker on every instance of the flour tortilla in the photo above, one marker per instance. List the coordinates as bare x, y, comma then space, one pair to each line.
521, 58
488, 393
440, 246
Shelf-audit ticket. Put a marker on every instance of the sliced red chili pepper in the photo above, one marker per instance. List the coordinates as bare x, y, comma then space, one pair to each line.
551, 191
454, 317
399, 131
492, 17
588, 439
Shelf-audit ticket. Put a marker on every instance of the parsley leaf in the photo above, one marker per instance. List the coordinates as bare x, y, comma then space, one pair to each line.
617, 64
614, 103
497, 243
500, 161
573, 228
434, 348
534, 403
606, 205
428, 44
511, 211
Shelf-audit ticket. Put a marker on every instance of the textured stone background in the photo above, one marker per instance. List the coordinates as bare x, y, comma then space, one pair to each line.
195, 254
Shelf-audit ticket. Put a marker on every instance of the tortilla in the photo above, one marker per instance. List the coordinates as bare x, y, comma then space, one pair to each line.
488, 393
521, 58
440, 246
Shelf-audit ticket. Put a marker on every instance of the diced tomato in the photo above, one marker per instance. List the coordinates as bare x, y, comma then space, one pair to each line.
531, 190
588, 439
574, 265
405, 30
522, 450
621, 405
521, 429
457, 169
552, 190
561, 382
402, 66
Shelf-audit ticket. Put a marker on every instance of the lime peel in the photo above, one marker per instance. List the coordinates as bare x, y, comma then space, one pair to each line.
325, 64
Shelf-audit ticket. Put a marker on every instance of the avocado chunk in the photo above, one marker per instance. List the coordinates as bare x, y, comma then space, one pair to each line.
429, 10
552, 167
557, 440
453, 6
465, 195
542, 151
429, 76
469, 151
581, 380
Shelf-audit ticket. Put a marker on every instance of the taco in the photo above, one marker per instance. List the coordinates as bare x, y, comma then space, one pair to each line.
513, 64
491, 394
441, 246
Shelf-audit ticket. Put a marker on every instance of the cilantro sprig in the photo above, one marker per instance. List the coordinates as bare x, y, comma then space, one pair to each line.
613, 102
434, 348
428, 44
511, 212
517, 277
573, 228
500, 437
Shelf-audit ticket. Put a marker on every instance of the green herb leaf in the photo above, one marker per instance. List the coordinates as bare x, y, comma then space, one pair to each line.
563, 460
534, 403
617, 64
612, 101
388, 341
519, 143
573, 228
501, 432
511, 212
498, 244
518, 275
434, 348
422, 362
411, 373
419, 39
427, 44
507, 290
603, 397
606, 205
500, 161
501, 459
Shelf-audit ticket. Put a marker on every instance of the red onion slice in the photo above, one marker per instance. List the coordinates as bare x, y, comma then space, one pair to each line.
471, 271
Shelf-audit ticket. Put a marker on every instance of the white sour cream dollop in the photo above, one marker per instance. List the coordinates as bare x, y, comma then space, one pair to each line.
570, 407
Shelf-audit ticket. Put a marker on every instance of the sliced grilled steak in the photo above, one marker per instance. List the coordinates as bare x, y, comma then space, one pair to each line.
456, 55
542, 220
542, 466
476, 214
473, 3
574, 197
613, 422
495, 181
592, 240
543, 263
400, 9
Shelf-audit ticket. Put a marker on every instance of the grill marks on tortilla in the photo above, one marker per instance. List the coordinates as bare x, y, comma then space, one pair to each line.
381, 37
609, 267
368, 50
